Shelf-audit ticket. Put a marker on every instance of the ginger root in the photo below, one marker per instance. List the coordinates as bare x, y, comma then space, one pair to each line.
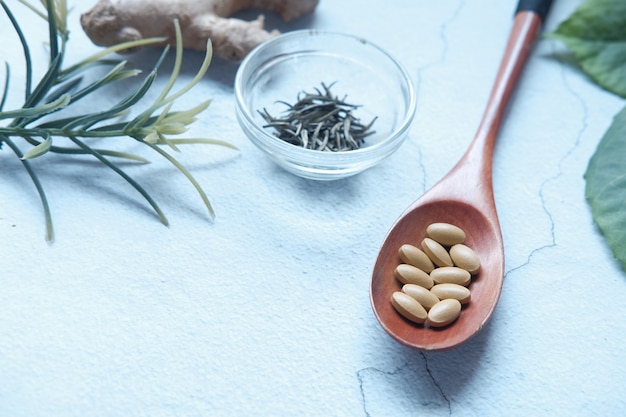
112, 22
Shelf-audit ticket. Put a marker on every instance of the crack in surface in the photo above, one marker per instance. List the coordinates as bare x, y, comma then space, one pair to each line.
429, 396
436, 384
402, 373
559, 173
360, 375
443, 29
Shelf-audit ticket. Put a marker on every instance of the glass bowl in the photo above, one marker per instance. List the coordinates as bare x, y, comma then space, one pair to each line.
277, 71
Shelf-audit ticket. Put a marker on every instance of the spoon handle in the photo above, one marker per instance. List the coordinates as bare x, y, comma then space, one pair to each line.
528, 20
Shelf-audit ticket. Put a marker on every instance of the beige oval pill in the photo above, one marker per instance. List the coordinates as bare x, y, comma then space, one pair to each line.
458, 292
414, 256
445, 233
451, 275
409, 274
444, 312
464, 257
408, 307
423, 296
436, 252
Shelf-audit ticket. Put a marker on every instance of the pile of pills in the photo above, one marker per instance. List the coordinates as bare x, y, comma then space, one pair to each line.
436, 277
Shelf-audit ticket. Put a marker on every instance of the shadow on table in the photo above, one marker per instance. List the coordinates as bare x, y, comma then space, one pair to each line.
423, 381
454, 369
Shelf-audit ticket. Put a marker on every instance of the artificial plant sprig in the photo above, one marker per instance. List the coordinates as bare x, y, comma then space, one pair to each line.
36, 124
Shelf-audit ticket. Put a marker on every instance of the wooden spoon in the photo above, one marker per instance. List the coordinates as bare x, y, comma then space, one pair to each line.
464, 197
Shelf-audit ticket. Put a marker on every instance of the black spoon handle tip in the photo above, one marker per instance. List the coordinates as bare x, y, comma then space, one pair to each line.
541, 7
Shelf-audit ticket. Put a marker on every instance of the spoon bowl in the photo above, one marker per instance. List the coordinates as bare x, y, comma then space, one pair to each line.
464, 197
483, 236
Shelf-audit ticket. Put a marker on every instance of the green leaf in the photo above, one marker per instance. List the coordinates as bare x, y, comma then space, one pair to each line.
606, 186
596, 34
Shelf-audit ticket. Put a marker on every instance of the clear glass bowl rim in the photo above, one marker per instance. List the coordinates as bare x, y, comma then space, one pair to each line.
266, 140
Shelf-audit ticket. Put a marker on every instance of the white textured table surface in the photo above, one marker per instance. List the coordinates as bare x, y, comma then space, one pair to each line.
265, 311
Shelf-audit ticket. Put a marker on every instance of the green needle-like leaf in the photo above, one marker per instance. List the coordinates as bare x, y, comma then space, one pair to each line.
103, 152
24, 43
187, 174
78, 151
38, 187
66, 88
31, 112
116, 74
46, 83
177, 63
48, 113
34, 9
121, 173
5, 90
93, 118
204, 141
40, 149
96, 58
52, 30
